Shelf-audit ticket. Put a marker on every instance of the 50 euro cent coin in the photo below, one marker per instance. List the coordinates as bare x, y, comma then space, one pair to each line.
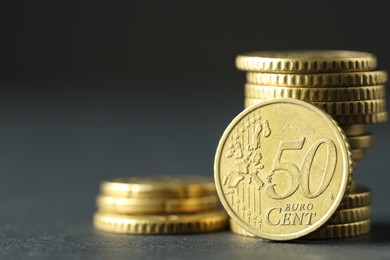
282, 169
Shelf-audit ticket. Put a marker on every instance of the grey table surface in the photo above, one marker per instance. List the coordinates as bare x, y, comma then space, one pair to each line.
54, 154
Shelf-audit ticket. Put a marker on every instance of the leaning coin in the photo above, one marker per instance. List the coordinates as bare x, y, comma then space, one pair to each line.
161, 224
306, 61
282, 168
155, 205
180, 186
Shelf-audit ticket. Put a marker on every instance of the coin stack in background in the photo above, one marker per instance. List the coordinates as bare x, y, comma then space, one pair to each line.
159, 205
345, 84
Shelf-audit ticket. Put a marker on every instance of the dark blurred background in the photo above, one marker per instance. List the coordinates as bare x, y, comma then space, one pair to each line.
97, 89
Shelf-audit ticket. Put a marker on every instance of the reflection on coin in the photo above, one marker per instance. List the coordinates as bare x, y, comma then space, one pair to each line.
161, 224
155, 205
282, 168
306, 61
181, 186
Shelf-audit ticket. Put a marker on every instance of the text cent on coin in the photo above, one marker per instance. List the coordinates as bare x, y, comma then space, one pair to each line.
282, 168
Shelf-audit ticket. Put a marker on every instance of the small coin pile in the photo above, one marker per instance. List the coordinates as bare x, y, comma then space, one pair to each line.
159, 205
347, 86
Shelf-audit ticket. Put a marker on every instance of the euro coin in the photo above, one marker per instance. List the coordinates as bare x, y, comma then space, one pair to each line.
316, 94
329, 231
282, 168
355, 130
343, 230
360, 197
184, 186
161, 224
155, 205
306, 61
358, 154
346, 216
361, 142
347, 108
351, 79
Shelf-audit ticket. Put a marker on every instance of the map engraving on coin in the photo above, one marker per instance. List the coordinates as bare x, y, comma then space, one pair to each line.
282, 168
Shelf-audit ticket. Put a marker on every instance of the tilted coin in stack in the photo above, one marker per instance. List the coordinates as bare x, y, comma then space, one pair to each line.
345, 84
282, 169
159, 205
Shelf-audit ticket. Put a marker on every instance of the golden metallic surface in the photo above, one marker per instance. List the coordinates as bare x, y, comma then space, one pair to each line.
354, 130
347, 108
316, 94
343, 230
358, 154
235, 228
351, 79
345, 216
361, 119
330, 231
161, 224
155, 205
181, 186
306, 61
361, 142
360, 197
282, 168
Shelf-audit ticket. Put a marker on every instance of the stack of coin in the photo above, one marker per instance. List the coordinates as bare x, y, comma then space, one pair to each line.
346, 85
353, 218
159, 205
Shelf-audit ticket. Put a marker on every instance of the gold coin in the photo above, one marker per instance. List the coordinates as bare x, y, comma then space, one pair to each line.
316, 94
306, 61
346, 216
183, 186
329, 231
343, 230
155, 205
354, 130
346, 108
351, 79
282, 168
380, 117
361, 142
235, 228
358, 154
161, 224
360, 197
